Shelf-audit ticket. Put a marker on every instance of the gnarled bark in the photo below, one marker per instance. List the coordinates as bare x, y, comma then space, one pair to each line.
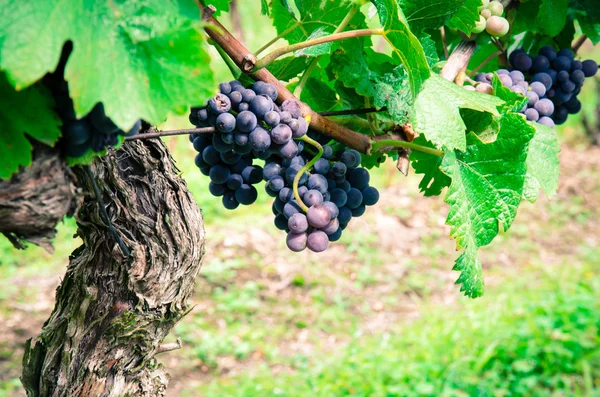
112, 312
35, 199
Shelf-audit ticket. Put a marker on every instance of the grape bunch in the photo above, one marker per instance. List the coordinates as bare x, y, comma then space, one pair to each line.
491, 20
551, 81
249, 125
94, 131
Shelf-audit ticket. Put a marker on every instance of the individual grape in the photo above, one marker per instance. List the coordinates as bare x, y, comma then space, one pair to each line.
551, 93
248, 95
220, 145
292, 107
271, 192
518, 88
260, 138
219, 174
242, 107
318, 182
235, 181
359, 178
359, 211
312, 197
246, 121
522, 62
339, 169
271, 170
216, 189
202, 114
252, 174
296, 242
480, 78
562, 76
298, 223
577, 76
331, 227
199, 161
568, 86
260, 105
523, 84
219, 104
548, 52
485, 88
495, 8
538, 88
241, 139
552, 73
545, 107
547, 121
278, 205
345, 215
533, 98
228, 138
77, 132
244, 148
560, 115
317, 241
276, 184
567, 52
327, 152
281, 134
285, 117
339, 197
322, 166
561, 63
291, 172
302, 190
225, 122
286, 194
532, 114
576, 65
289, 150
299, 128
238, 167
229, 201
589, 67
200, 142
335, 236
481, 24
230, 157
355, 198
540, 64
333, 209
281, 222
543, 78
225, 88
236, 85
318, 216
211, 156
205, 170
506, 80
266, 89
100, 121
246, 194
484, 5
290, 208
513, 55
517, 76
370, 195
562, 96
573, 106
349, 158
272, 118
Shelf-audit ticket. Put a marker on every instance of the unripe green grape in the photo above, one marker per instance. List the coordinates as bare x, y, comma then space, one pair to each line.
485, 88
497, 26
496, 8
486, 13
479, 26
484, 4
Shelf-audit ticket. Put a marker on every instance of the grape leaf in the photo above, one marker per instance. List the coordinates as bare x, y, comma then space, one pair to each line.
552, 16
466, 17
587, 14
542, 163
289, 67
315, 50
429, 14
27, 112
141, 58
434, 180
437, 116
392, 91
513, 101
319, 96
264, 8
404, 43
486, 189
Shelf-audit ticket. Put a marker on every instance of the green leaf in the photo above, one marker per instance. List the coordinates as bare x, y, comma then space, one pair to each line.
404, 43
542, 163
513, 101
315, 50
434, 180
587, 14
429, 14
437, 116
141, 58
27, 112
264, 8
466, 17
289, 67
486, 189
220, 5
319, 96
552, 16
392, 91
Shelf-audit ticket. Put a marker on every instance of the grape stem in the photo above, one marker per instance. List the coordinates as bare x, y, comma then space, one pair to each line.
579, 43
386, 145
444, 43
304, 169
158, 134
267, 59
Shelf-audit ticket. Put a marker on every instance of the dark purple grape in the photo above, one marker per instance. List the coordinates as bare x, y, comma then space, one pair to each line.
281, 134
290, 174
199, 161
285, 117
299, 128
246, 194
511, 57
339, 197
322, 166
296, 242
562, 76
547, 121
327, 152
225, 122
271, 170
562, 96
339, 169
318, 216
260, 105
567, 52
355, 198
291, 106
248, 95
205, 170
100, 121
589, 67
359, 178
230, 157
577, 77
252, 174
289, 150
201, 142
281, 222
370, 195
359, 211
241, 139
543, 78
560, 115
532, 114
317, 241
235, 181
229, 201
238, 167
278, 204
220, 145
545, 107
225, 88
211, 156
220, 103
242, 107
331, 227
246, 121
216, 189
345, 186
302, 190
561, 63
219, 174
345, 215
318, 182
573, 106
540, 64
335, 236
228, 139
522, 62
312, 197
77, 132
548, 52
272, 118
242, 149
260, 138
236, 85
290, 208
568, 86
576, 65
286, 194
298, 223
276, 184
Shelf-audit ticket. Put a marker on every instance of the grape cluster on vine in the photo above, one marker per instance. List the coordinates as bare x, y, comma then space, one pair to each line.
491, 20
550, 80
317, 190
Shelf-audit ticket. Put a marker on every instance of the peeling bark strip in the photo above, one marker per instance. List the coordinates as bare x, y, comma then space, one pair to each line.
112, 313
35, 199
